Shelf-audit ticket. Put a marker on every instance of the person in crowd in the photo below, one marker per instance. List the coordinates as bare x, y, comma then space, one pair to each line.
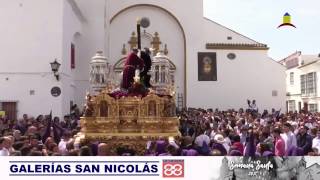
204, 132
252, 107
5, 145
304, 140
316, 141
217, 144
62, 146
250, 145
103, 149
237, 145
279, 143
288, 136
75, 112
85, 151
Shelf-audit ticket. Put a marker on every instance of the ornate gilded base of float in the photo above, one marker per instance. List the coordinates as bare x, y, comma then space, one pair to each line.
135, 141
129, 121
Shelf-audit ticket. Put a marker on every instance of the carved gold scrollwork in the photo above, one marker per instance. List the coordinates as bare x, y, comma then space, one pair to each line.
130, 121
103, 108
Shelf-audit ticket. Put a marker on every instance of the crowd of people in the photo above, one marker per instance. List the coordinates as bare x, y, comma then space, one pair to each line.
204, 132
249, 133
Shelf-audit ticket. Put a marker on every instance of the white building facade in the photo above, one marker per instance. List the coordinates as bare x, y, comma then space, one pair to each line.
38, 31
302, 79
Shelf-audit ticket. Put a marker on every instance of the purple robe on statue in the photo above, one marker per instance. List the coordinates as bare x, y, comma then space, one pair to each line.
132, 63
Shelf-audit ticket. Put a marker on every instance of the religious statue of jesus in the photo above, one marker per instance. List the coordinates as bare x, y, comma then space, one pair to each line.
145, 76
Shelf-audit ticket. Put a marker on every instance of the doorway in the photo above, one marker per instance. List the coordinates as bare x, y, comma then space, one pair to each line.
305, 107
10, 108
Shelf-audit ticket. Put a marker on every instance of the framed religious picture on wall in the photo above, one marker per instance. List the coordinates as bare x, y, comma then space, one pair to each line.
207, 66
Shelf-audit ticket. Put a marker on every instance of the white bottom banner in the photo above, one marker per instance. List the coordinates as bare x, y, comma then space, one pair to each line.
191, 168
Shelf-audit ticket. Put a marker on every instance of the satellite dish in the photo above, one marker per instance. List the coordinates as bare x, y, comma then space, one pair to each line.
145, 22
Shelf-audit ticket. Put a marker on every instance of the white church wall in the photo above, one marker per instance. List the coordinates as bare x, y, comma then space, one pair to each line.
49, 30
248, 76
92, 39
177, 7
199, 31
32, 35
33, 38
217, 33
17, 89
252, 75
72, 30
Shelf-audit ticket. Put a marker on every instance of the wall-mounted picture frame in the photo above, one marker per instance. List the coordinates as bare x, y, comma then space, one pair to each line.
207, 66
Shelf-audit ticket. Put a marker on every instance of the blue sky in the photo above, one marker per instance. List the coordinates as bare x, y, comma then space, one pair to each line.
259, 19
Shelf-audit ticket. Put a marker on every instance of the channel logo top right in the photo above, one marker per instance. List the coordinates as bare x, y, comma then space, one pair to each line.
286, 21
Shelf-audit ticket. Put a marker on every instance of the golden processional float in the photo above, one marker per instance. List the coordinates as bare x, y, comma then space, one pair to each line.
130, 119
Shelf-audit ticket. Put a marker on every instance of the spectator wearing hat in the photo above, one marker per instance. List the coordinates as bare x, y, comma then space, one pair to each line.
304, 140
202, 143
202, 138
217, 144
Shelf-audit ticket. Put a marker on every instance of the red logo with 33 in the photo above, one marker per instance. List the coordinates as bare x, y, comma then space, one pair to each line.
172, 168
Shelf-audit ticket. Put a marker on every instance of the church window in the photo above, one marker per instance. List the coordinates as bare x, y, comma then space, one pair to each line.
229, 38
274, 93
72, 58
31, 92
97, 79
313, 108
163, 74
291, 78
172, 79
157, 74
292, 105
311, 84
